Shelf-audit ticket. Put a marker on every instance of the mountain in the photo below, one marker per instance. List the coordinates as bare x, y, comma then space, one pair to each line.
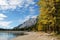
27, 24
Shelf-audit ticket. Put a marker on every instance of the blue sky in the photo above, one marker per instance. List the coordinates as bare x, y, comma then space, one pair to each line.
15, 12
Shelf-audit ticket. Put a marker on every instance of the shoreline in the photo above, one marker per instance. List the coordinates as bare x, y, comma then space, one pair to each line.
24, 35
36, 36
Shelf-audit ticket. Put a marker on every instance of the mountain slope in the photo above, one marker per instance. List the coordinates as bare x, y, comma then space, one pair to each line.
27, 24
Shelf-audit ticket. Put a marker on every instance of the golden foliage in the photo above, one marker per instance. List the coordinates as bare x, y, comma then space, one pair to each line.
49, 14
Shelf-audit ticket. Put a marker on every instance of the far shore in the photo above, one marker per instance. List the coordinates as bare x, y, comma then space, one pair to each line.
12, 31
15, 32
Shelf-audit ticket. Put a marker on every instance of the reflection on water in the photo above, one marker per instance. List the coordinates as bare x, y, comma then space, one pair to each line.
6, 36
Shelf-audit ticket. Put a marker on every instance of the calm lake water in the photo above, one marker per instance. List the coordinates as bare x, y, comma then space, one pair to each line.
6, 36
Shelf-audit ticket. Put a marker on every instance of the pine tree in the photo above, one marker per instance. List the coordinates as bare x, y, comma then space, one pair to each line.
49, 17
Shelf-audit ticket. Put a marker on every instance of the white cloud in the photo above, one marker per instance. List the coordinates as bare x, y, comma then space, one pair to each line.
35, 16
12, 4
30, 2
31, 16
5, 23
32, 10
27, 18
3, 2
15, 2
2, 16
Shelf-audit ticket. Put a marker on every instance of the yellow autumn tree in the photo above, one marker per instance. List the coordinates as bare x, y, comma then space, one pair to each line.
48, 18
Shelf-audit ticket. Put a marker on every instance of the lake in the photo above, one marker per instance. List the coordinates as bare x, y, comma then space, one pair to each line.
7, 36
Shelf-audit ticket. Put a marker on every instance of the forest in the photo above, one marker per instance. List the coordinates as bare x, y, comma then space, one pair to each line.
49, 17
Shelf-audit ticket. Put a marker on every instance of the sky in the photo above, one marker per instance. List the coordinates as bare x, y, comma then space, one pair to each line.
15, 12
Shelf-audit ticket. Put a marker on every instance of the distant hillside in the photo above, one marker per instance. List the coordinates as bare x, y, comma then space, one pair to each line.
27, 24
